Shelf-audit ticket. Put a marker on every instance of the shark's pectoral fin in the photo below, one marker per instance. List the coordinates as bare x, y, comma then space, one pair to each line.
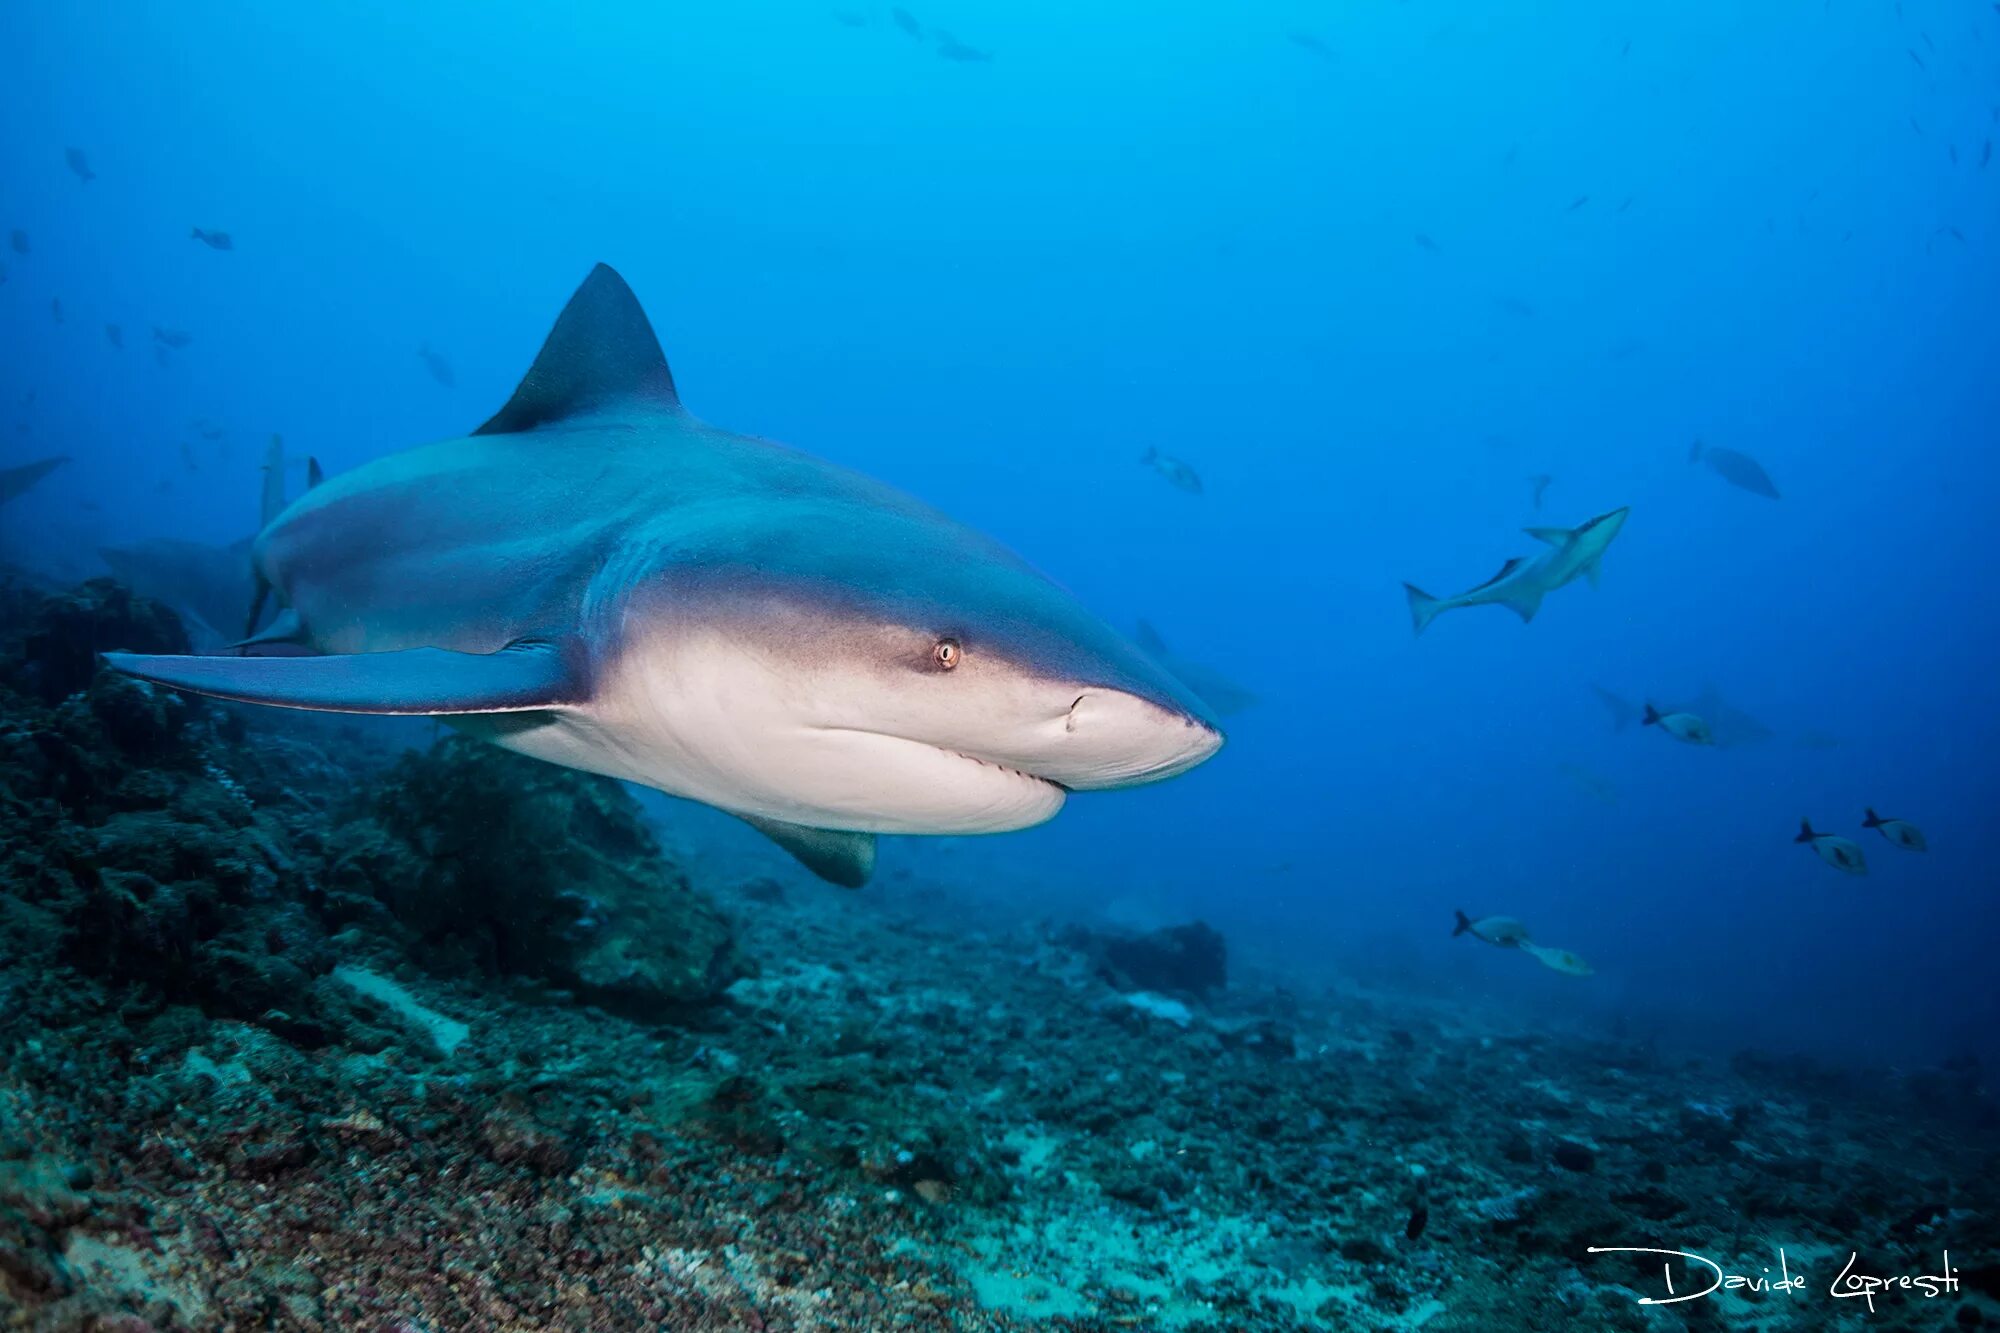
1591, 570
532, 673
846, 859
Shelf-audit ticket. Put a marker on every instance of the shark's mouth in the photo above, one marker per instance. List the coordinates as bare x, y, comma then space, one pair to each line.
898, 784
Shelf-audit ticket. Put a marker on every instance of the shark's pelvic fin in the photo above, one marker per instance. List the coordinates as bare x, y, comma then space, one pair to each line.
1553, 536
285, 627
420, 681
1524, 602
601, 354
846, 859
1423, 607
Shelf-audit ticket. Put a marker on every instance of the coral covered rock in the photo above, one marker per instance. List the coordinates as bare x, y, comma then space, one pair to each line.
507, 865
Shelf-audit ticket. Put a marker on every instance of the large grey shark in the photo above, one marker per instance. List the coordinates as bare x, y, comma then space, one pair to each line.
1522, 583
596, 578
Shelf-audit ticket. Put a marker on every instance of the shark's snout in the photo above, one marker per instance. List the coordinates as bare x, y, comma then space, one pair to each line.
1114, 739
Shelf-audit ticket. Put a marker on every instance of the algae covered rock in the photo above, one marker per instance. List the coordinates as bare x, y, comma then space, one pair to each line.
506, 865
59, 651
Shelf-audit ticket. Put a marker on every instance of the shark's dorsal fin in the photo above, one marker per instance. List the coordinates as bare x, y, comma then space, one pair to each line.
1505, 570
1553, 536
600, 354
1149, 639
846, 859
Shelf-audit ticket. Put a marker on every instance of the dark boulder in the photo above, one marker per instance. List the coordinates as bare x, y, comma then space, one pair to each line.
1189, 960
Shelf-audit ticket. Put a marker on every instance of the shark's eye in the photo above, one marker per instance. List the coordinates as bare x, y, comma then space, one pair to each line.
946, 654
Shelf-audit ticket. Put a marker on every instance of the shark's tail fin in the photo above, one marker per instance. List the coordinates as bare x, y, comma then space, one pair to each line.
1652, 716
1149, 456
1464, 923
1694, 452
194, 234
1873, 820
1806, 833
1423, 606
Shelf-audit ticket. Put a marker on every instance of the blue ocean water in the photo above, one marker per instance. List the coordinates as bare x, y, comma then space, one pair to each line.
1367, 271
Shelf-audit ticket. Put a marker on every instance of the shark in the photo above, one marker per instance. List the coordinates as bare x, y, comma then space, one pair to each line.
1729, 725
1218, 691
18, 481
597, 578
1523, 582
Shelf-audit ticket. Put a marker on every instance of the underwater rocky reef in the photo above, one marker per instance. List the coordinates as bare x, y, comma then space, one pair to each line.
334, 1025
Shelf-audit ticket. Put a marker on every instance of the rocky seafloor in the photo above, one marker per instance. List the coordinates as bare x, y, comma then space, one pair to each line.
306, 1026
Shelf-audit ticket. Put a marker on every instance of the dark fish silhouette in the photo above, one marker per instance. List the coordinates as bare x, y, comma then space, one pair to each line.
1952, 232
214, 240
907, 22
1429, 244
1833, 849
1577, 203
1899, 831
55, 309
439, 368
1629, 200
19, 240
79, 164
15, 481
173, 338
1307, 42
1738, 469
1174, 470
1540, 481
115, 334
951, 48
1918, 59
1420, 1216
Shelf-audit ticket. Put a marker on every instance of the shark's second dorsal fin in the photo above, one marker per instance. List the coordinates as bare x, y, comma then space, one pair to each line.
600, 354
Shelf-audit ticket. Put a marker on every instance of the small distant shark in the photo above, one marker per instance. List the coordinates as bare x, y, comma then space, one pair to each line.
208, 586
1216, 690
596, 578
1522, 583
1728, 725
18, 481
